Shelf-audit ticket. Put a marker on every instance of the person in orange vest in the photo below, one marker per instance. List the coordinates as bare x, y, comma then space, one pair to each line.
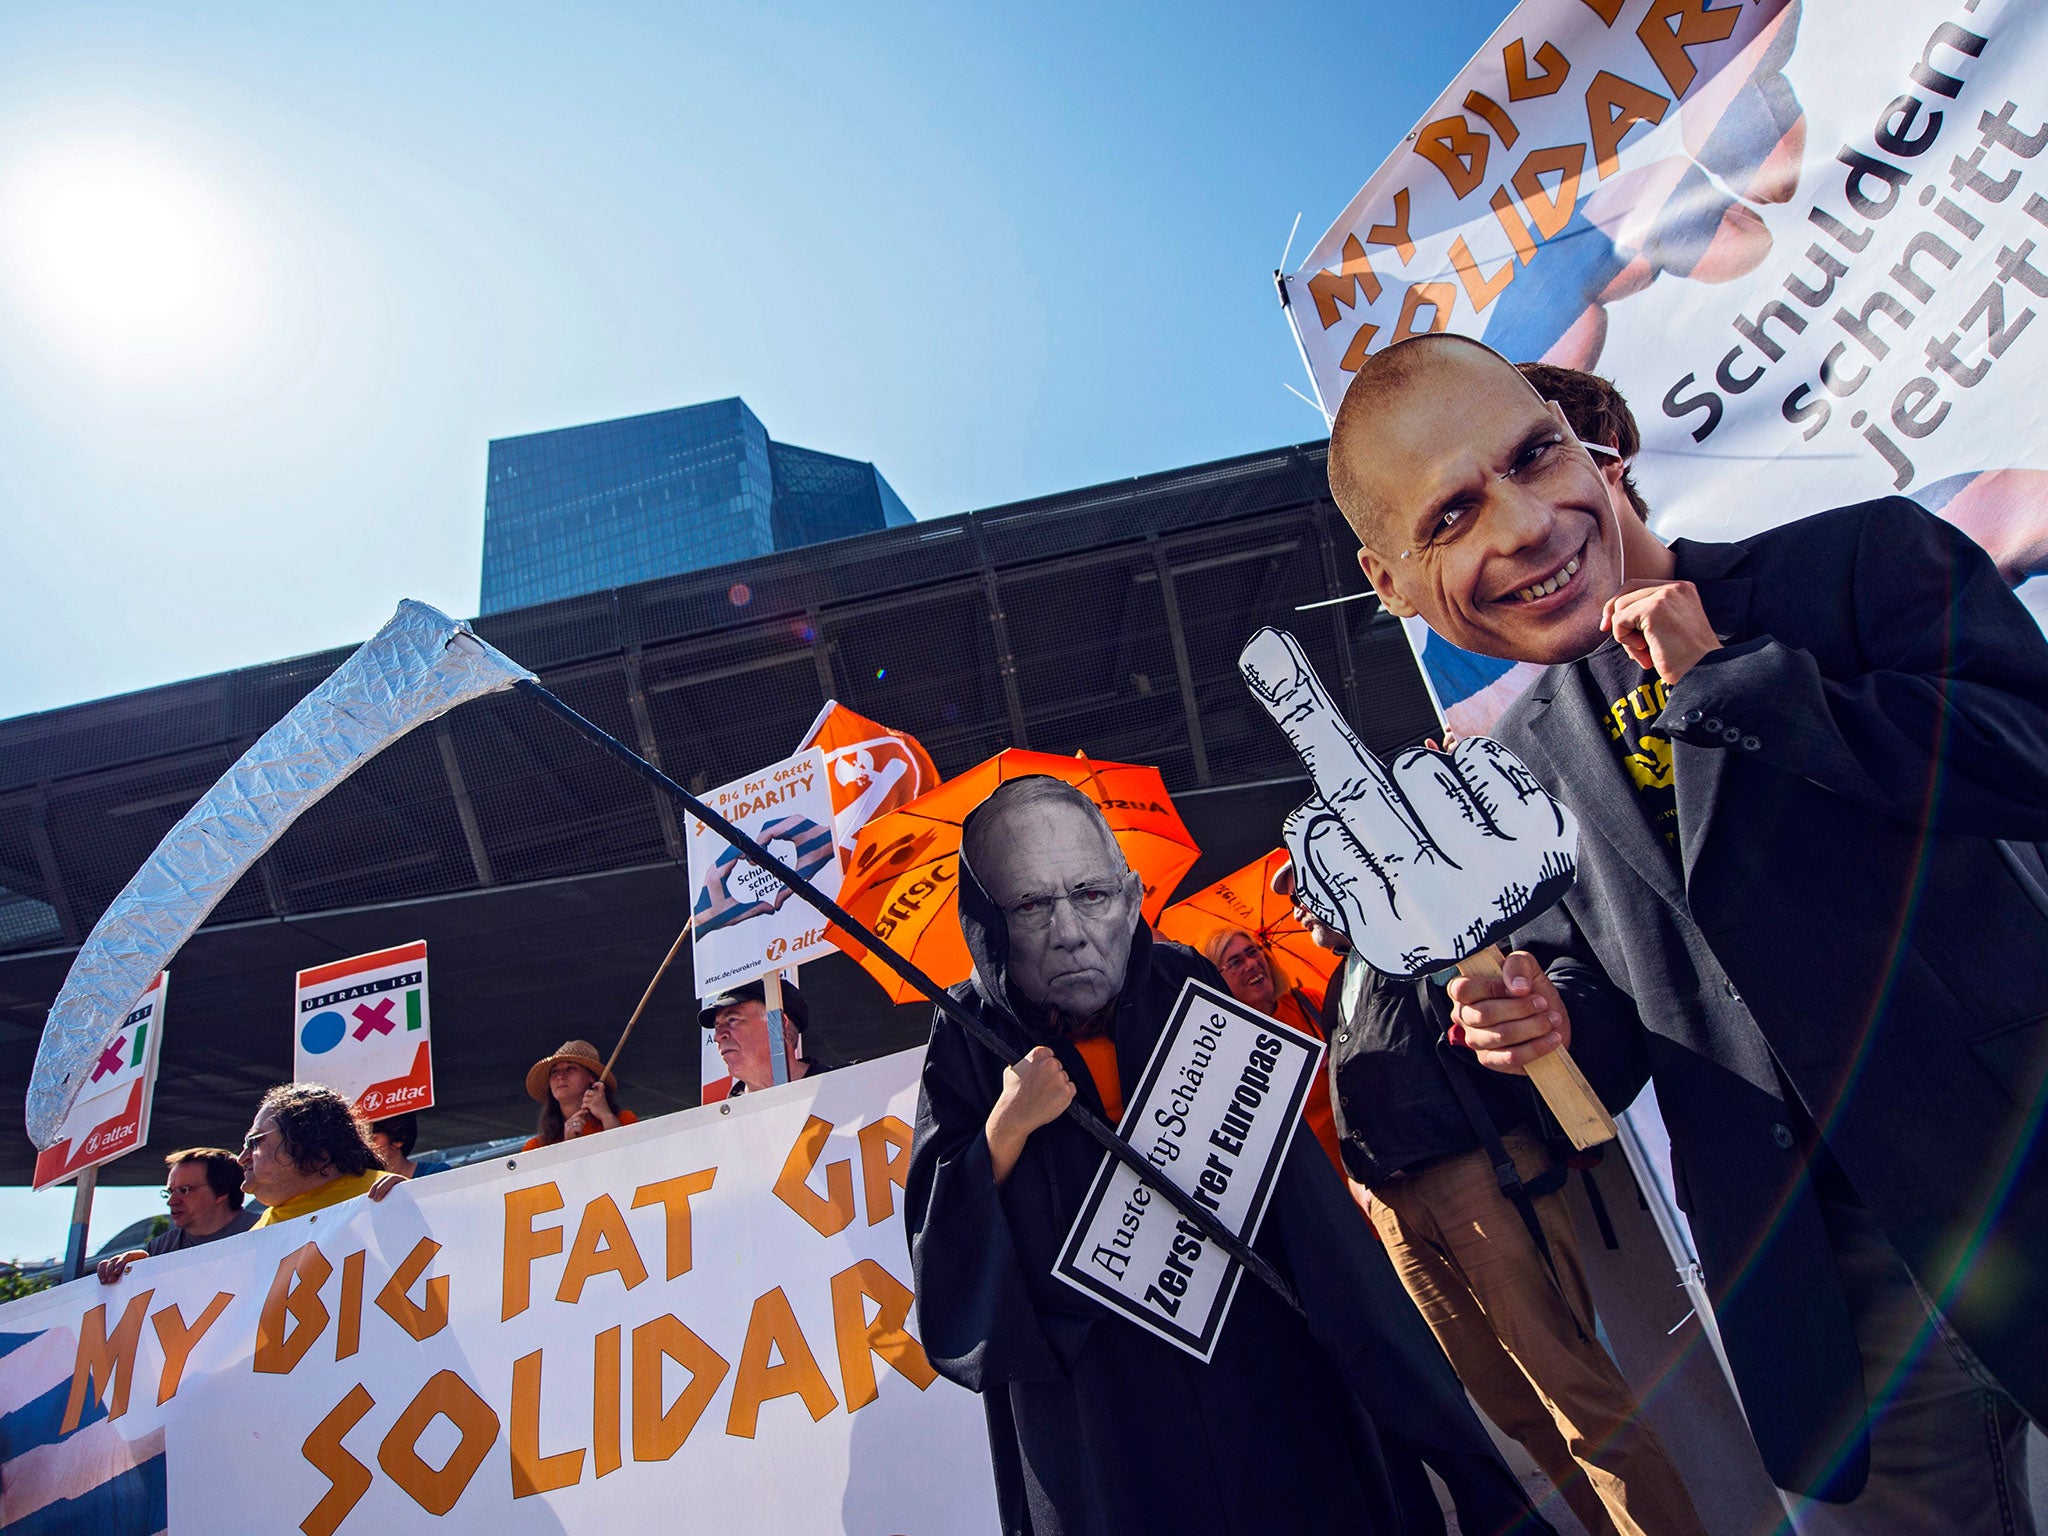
1255, 980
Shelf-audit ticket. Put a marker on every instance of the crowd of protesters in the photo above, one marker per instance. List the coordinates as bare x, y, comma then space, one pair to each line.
1883, 1383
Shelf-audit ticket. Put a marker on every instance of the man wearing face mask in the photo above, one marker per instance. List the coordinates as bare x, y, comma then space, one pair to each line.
1808, 771
1096, 1427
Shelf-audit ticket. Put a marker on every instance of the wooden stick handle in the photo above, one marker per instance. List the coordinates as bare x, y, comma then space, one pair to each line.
660, 971
1557, 1077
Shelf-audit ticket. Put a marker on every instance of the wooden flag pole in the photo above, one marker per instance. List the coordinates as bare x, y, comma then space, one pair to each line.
1557, 1077
778, 1048
661, 971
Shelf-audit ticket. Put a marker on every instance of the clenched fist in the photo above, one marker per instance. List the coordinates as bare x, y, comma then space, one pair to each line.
1036, 1091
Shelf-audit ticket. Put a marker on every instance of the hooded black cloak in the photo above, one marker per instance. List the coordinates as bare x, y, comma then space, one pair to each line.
1096, 1427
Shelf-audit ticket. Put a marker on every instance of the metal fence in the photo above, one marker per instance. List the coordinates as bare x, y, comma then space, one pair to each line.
1106, 620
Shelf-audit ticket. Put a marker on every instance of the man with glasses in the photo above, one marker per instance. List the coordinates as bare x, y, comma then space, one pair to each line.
1096, 1426
1807, 769
204, 1192
306, 1151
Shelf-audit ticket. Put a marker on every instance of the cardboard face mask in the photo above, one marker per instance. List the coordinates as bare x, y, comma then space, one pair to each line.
1420, 863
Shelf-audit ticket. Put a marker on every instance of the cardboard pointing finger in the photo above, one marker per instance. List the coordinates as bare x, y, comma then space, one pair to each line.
1347, 777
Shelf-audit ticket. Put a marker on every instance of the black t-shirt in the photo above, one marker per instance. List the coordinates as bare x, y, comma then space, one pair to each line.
1628, 699
176, 1238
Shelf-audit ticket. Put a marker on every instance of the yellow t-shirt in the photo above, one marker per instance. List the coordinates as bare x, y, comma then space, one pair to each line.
345, 1187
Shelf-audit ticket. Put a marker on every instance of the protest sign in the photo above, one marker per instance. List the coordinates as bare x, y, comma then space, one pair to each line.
111, 1115
871, 768
361, 1027
1807, 241
700, 1317
1214, 1112
745, 922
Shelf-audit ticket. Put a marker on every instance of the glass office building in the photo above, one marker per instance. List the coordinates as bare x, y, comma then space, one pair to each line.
582, 509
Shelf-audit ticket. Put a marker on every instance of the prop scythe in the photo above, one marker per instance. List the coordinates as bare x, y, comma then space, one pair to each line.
418, 666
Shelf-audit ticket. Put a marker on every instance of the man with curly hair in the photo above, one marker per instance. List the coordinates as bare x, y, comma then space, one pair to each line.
305, 1151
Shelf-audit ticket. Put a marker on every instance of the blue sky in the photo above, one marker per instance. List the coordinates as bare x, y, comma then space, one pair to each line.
271, 277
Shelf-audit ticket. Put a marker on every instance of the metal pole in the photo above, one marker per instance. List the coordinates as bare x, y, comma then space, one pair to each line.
81, 1221
778, 1049
1202, 1219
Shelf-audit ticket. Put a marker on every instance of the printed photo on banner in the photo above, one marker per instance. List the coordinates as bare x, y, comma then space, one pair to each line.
1215, 1113
1805, 240
361, 1027
111, 1115
871, 768
744, 921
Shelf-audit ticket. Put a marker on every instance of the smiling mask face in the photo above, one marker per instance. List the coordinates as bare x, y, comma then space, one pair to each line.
1479, 510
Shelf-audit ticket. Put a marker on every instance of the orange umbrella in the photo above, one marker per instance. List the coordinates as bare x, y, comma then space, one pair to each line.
903, 877
1246, 900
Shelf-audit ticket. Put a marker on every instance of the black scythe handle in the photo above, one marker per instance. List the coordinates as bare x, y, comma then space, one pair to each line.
1204, 1221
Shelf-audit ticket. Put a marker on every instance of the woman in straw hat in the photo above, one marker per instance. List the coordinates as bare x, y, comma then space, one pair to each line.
572, 1101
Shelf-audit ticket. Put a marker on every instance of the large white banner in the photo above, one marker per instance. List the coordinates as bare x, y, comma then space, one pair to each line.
1808, 240
698, 1322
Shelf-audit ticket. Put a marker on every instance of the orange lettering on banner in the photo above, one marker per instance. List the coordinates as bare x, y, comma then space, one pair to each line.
105, 1361
604, 1403
532, 1472
1613, 106
831, 1213
1607, 10
446, 1395
1479, 288
1523, 86
886, 1335
1551, 212
1361, 345
178, 1341
294, 1294
1674, 27
348, 1477
657, 1433
1337, 290
1494, 115
1509, 217
602, 1223
673, 1196
524, 1243
394, 1300
884, 1160
773, 1330
1396, 233
348, 1326
1456, 151
1442, 296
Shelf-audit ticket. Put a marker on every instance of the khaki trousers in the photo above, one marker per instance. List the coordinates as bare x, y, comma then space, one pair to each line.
1523, 1343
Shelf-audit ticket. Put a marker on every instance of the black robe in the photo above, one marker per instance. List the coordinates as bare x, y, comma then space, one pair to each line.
1098, 1428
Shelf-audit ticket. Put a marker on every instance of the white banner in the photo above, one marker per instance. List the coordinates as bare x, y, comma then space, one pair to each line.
1215, 1113
1807, 240
700, 1320
111, 1114
362, 1027
744, 922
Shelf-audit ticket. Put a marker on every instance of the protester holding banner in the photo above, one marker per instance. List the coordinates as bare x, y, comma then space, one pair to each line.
306, 1151
204, 1192
1822, 916
737, 1021
572, 1101
1096, 1425
393, 1139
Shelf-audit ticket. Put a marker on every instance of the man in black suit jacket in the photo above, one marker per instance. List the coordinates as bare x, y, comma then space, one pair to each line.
1808, 768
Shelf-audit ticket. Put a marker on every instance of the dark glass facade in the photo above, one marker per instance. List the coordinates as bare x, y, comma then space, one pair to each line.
583, 509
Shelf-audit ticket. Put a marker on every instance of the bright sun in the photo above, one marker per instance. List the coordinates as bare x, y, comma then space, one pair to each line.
123, 255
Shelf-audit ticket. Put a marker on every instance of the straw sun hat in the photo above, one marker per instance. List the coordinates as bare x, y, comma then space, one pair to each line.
582, 1052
